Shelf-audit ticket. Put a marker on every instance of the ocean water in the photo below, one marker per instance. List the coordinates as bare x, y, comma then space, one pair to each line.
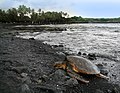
103, 39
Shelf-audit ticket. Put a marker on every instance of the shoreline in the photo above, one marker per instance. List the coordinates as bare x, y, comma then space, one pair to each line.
26, 66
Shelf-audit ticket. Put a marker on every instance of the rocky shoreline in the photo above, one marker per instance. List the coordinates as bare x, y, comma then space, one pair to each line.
26, 66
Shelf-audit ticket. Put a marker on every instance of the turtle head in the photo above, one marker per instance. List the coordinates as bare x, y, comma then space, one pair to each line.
60, 64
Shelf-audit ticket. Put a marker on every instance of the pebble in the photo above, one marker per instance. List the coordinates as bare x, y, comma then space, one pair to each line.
31, 39
109, 91
99, 91
79, 53
54, 46
92, 56
62, 55
115, 90
60, 72
25, 78
84, 54
72, 81
19, 69
24, 75
103, 70
25, 89
44, 77
66, 53
39, 81
61, 46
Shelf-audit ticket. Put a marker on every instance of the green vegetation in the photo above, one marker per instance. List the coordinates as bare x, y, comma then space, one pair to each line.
79, 19
26, 15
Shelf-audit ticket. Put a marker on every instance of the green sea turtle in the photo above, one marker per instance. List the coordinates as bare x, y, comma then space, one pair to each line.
74, 65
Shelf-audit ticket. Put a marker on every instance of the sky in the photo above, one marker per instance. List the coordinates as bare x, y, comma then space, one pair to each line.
84, 8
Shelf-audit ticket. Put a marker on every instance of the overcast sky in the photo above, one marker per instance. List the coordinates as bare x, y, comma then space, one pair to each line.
84, 8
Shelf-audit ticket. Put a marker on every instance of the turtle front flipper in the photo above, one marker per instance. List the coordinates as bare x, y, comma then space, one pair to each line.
60, 64
102, 76
76, 76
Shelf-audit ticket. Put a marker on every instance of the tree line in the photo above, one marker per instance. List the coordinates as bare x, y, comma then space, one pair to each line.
79, 19
24, 14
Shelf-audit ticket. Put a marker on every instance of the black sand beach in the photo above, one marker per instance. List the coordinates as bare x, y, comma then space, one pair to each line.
26, 66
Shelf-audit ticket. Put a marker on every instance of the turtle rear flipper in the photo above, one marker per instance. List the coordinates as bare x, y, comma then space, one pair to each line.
77, 76
102, 76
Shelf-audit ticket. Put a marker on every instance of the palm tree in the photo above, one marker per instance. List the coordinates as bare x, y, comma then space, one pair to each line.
23, 11
39, 11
